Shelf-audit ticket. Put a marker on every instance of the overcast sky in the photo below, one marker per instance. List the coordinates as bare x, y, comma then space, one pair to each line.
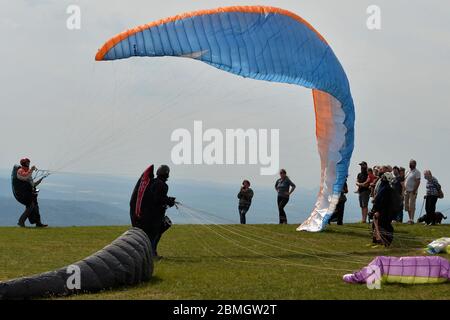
64, 110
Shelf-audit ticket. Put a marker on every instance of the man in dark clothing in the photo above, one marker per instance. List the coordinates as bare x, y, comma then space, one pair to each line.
149, 203
338, 214
25, 191
398, 187
363, 183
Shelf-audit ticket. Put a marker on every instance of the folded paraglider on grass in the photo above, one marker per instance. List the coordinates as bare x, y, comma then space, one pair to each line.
406, 270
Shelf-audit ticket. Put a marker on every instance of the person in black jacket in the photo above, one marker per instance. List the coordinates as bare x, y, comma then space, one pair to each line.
151, 218
245, 196
385, 206
338, 214
284, 187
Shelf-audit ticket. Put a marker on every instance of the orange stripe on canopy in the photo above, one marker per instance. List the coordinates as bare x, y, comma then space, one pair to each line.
244, 9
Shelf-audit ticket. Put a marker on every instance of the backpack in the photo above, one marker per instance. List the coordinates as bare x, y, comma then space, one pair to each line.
22, 190
14, 180
139, 192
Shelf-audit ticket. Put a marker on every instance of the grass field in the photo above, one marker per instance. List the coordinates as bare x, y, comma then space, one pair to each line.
231, 261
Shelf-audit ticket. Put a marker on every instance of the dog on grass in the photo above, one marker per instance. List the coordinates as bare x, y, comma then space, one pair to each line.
435, 218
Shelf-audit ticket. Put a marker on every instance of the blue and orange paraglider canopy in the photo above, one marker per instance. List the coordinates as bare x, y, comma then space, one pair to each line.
262, 43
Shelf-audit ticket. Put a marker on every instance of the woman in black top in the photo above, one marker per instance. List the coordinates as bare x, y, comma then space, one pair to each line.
284, 187
245, 196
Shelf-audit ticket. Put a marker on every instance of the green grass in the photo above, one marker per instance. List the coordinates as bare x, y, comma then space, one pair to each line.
231, 261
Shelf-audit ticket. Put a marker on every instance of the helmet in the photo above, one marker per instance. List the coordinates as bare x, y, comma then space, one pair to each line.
24, 161
163, 170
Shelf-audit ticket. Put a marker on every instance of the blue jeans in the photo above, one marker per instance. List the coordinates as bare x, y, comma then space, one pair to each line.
242, 212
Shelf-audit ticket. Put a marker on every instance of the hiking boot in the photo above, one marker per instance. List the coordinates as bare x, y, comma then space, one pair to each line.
41, 225
21, 224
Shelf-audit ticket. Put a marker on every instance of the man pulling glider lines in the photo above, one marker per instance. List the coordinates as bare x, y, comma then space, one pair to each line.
25, 192
149, 202
262, 43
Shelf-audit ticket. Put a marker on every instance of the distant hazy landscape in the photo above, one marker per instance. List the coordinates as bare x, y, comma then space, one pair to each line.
85, 200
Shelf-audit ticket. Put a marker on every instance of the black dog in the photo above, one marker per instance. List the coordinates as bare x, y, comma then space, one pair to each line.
435, 218
439, 217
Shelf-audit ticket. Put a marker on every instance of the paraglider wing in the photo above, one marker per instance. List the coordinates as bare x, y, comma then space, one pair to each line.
262, 43
407, 270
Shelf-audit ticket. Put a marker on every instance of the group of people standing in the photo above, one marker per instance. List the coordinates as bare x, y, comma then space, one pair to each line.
394, 190
284, 188
390, 190
405, 183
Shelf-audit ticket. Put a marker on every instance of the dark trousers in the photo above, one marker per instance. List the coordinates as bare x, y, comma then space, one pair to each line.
338, 214
282, 202
430, 209
154, 243
153, 229
399, 216
31, 213
386, 230
154, 237
242, 212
